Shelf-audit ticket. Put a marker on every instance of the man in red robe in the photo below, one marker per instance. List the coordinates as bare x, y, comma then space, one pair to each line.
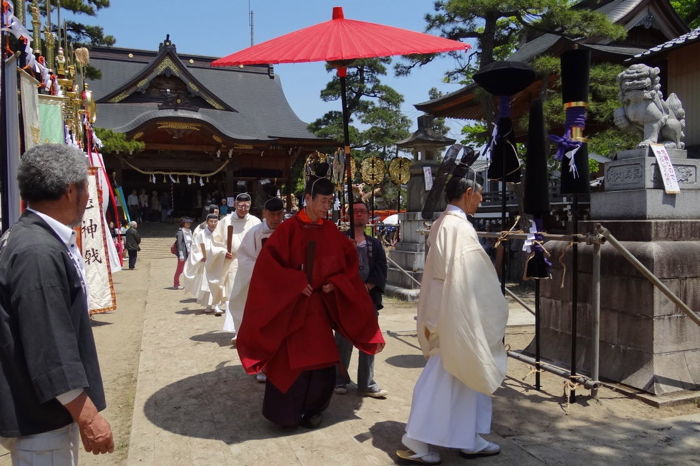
305, 284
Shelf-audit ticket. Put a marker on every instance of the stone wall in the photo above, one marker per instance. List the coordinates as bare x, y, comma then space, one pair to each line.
645, 341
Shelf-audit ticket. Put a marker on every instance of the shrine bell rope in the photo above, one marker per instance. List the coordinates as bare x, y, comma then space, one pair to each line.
202, 175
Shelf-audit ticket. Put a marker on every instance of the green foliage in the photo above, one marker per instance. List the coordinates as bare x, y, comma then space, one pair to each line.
83, 35
602, 102
439, 125
593, 166
498, 26
374, 108
370, 103
88, 7
610, 141
115, 143
475, 135
689, 10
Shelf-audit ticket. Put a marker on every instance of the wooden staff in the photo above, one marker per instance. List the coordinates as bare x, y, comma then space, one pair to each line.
229, 238
309, 263
204, 250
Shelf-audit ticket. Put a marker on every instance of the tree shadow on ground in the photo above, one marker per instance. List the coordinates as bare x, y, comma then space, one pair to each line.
220, 338
410, 361
226, 404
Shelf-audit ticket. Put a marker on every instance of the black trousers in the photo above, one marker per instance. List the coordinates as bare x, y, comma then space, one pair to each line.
310, 394
132, 258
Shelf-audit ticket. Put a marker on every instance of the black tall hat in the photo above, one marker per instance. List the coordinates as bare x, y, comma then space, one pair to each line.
575, 67
505, 78
536, 198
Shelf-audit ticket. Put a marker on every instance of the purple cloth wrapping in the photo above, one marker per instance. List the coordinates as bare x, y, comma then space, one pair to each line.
575, 117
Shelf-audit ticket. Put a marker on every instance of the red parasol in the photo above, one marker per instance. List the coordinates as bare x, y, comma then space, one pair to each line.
340, 40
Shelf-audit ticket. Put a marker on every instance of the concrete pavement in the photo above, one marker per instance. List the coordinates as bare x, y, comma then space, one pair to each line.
194, 405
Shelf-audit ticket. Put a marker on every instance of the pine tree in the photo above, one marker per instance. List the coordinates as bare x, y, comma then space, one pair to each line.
376, 106
689, 10
498, 26
375, 110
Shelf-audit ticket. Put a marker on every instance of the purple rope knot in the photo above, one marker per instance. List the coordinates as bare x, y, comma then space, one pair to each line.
575, 116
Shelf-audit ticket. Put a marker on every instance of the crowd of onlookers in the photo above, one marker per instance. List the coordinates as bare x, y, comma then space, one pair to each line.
156, 207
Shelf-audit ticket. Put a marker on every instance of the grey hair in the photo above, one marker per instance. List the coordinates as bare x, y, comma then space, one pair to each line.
132, 224
47, 170
458, 185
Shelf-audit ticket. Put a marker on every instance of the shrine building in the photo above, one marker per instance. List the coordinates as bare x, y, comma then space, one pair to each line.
206, 131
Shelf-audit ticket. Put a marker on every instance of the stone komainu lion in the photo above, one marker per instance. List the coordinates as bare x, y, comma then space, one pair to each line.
643, 108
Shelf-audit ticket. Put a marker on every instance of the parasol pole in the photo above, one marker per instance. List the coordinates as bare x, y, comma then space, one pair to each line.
342, 72
505, 103
371, 221
4, 152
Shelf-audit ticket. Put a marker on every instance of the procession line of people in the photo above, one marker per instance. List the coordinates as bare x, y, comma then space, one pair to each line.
311, 293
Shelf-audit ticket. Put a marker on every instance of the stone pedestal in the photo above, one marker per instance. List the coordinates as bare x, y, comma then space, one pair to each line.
634, 188
645, 341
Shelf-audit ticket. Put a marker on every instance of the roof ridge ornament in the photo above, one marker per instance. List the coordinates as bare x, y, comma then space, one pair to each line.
167, 43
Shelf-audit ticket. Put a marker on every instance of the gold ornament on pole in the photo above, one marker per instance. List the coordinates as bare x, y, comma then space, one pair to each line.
400, 170
373, 170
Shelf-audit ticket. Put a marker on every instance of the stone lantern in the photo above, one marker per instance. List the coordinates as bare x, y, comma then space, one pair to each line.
410, 250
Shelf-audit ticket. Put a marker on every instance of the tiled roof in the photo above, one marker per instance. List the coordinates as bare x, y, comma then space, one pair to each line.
685, 39
260, 109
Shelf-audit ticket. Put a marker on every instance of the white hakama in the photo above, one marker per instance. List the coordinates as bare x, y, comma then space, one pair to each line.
240, 227
446, 412
247, 254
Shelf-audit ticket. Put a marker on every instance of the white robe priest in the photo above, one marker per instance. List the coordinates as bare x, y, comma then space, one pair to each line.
247, 254
461, 323
194, 279
216, 266
241, 225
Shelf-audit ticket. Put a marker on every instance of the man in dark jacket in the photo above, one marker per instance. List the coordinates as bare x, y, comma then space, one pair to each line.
133, 239
373, 271
50, 383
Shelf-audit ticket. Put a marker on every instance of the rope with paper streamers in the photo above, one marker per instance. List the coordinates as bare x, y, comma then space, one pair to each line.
27, 60
176, 173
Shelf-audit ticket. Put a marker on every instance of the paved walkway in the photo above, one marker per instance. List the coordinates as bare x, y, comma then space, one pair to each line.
194, 405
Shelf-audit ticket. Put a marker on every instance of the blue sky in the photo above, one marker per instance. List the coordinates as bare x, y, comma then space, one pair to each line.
220, 27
